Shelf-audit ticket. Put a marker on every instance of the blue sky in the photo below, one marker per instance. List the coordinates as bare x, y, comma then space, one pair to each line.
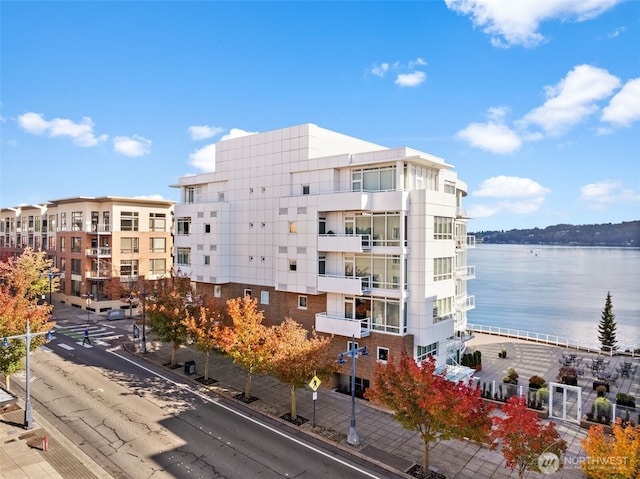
536, 104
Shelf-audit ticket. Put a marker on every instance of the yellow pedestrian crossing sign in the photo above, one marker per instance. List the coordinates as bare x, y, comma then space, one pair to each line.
315, 383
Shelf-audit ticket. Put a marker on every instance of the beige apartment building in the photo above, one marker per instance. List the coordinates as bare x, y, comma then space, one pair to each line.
102, 247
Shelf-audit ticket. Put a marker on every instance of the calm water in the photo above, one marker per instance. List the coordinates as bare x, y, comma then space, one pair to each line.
560, 290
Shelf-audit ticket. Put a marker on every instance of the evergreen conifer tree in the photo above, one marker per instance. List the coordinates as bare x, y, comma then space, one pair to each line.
607, 327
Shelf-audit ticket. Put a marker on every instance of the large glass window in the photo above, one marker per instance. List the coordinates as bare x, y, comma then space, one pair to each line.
183, 226
129, 267
384, 270
442, 309
183, 256
63, 221
129, 221
425, 351
76, 220
376, 229
129, 245
158, 266
76, 266
157, 222
76, 244
442, 227
157, 245
442, 269
374, 179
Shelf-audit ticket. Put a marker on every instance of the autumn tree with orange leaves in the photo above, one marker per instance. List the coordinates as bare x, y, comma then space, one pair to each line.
523, 436
612, 456
22, 284
203, 328
170, 302
247, 342
297, 356
426, 402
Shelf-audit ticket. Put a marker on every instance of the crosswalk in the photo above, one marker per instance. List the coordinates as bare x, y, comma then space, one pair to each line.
98, 334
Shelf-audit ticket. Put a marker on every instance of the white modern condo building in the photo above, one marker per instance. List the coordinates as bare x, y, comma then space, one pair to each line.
345, 236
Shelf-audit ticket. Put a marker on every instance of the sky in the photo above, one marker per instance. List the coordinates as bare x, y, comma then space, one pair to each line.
535, 103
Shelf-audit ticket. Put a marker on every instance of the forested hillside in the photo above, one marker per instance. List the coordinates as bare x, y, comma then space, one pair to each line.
625, 234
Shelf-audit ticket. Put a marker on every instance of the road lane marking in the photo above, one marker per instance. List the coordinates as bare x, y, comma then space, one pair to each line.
238, 413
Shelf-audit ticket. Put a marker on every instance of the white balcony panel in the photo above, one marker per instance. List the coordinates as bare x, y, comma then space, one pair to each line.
341, 243
343, 284
341, 326
388, 200
348, 201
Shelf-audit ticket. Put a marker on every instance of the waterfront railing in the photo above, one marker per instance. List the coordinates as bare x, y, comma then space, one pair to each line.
546, 339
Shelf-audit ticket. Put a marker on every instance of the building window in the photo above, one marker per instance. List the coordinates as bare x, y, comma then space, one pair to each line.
293, 265
207, 228
450, 187
425, 351
76, 266
302, 302
305, 189
183, 256
221, 196
128, 268
442, 269
442, 309
207, 260
374, 179
293, 227
76, 287
157, 245
76, 244
247, 292
157, 222
184, 226
193, 194
442, 227
264, 297
129, 221
158, 266
76, 220
63, 244
217, 291
63, 222
383, 354
128, 245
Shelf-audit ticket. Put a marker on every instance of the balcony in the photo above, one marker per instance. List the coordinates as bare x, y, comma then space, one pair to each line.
341, 326
465, 302
97, 228
467, 272
102, 251
355, 285
466, 243
98, 275
344, 243
345, 201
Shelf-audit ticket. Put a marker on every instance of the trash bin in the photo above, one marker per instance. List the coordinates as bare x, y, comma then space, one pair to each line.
190, 367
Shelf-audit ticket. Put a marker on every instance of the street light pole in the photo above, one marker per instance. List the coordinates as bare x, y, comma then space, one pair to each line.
143, 345
28, 420
131, 305
352, 437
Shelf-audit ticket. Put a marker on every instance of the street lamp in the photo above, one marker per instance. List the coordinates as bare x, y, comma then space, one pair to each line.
89, 297
143, 344
352, 437
28, 421
51, 275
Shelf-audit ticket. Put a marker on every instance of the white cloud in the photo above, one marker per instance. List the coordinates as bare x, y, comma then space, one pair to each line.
601, 194
572, 100
379, 69
81, 133
516, 22
511, 187
203, 132
132, 145
493, 136
410, 79
237, 133
417, 62
204, 158
624, 107
512, 194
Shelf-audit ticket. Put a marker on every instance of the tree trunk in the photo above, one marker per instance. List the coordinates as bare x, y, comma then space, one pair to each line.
425, 460
247, 387
174, 350
206, 366
7, 382
294, 413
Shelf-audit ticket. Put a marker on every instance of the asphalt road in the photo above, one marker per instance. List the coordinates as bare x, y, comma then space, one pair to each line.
141, 423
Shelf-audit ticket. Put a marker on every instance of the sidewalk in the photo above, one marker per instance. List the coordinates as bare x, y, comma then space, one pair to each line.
382, 439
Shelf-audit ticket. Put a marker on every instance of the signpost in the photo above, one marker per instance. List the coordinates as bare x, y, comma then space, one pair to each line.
314, 384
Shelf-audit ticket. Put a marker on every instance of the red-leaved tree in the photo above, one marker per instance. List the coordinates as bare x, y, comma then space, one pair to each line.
524, 437
428, 403
203, 328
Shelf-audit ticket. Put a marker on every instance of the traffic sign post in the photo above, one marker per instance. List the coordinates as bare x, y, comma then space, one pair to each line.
314, 384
